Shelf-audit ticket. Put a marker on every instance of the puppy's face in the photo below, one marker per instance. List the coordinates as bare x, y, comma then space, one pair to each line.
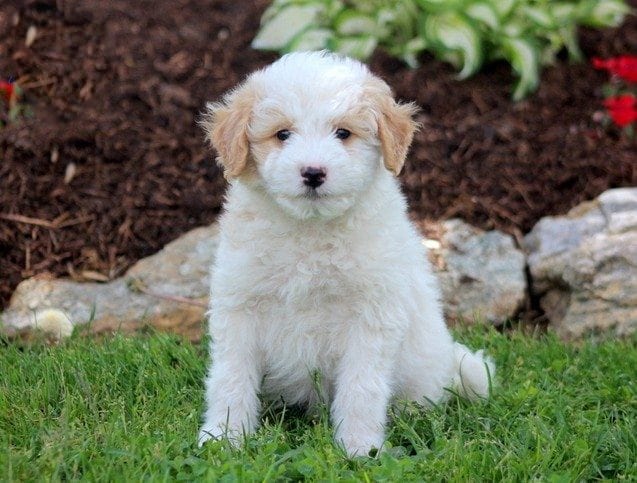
312, 131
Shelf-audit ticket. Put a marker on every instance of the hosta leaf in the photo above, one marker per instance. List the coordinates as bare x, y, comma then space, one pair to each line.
368, 7
277, 5
515, 28
526, 33
409, 52
584, 8
386, 16
359, 47
483, 12
541, 17
605, 13
568, 35
555, 41
455, 38
439, 5
333, 8
351, 22
552, 46
407, 10
523, 55
286, 24
313, 39
401, 21
563, 12
503, 7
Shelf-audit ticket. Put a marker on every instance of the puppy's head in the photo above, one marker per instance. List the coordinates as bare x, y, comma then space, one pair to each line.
312, 131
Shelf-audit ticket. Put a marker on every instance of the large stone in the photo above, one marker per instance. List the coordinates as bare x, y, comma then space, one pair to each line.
168, 290
482, 276
584, 266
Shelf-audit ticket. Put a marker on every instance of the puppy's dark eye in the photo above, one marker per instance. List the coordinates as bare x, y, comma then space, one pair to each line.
283, 134
342, 133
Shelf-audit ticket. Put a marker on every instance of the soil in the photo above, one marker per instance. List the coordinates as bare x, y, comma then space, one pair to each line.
108, 164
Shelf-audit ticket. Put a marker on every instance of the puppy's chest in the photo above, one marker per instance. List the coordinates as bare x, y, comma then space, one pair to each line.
297, 268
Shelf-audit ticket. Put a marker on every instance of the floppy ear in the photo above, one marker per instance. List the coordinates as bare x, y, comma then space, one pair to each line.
396, 128
226, 127
396, 125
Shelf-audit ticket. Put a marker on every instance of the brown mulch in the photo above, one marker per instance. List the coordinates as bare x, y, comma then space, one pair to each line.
110, 164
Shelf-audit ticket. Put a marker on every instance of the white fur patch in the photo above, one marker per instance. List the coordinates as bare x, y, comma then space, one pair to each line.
332, 279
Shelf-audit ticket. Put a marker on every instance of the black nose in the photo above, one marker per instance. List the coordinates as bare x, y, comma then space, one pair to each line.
313, 177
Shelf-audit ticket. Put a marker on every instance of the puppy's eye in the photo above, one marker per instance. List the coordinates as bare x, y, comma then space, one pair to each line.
342, 133
283, 134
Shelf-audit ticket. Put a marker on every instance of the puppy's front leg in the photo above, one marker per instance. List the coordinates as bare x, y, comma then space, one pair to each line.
232, 384
363, 390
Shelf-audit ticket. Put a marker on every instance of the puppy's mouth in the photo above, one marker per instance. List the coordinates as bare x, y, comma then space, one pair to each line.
314, 204
313, 194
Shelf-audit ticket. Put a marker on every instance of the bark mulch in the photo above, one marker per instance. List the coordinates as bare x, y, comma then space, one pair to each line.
109, 165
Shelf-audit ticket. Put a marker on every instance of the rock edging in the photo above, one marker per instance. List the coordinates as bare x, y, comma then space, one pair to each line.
583, 268
169, 290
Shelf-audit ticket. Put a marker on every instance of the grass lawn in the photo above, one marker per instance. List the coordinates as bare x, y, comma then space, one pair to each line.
127, 409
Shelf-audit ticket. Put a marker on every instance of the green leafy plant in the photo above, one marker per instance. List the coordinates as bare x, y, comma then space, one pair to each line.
467, 33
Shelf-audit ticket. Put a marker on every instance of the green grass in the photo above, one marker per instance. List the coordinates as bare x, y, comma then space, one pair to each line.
127, 409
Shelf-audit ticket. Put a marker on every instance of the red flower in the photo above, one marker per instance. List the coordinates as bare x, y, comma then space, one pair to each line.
622, 109
624, 66
625, 101
7, 90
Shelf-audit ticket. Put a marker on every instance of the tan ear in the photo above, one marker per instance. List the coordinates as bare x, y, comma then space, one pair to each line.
226, 127
396, 128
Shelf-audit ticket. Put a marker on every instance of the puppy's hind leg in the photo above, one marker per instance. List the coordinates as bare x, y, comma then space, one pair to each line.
473, 374
432, 364
427, 364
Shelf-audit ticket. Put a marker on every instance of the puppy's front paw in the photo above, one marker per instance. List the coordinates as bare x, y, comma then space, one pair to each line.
220, 431
205, 434
359, 444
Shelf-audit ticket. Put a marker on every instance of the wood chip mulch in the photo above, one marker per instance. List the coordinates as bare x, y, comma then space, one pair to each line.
108, 164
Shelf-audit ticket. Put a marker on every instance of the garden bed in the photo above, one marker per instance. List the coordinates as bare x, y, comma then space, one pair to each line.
110, 165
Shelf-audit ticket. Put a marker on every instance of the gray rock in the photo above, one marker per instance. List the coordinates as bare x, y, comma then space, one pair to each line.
481, 273
168, 290
584, 266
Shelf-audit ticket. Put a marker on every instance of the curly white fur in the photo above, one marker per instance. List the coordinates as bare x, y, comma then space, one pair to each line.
333, 279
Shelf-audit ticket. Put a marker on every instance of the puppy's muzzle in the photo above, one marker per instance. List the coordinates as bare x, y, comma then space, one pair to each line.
313, 177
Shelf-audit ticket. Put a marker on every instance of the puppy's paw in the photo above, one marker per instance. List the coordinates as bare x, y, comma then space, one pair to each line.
359, 444
205, 435
220, 431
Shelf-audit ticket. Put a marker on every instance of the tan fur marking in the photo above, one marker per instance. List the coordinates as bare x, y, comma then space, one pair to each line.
396, 126
226, 126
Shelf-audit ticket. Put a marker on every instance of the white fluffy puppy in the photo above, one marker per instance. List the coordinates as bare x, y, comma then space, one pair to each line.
318, 267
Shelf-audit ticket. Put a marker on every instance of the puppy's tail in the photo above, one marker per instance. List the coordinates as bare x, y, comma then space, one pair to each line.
474, 373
